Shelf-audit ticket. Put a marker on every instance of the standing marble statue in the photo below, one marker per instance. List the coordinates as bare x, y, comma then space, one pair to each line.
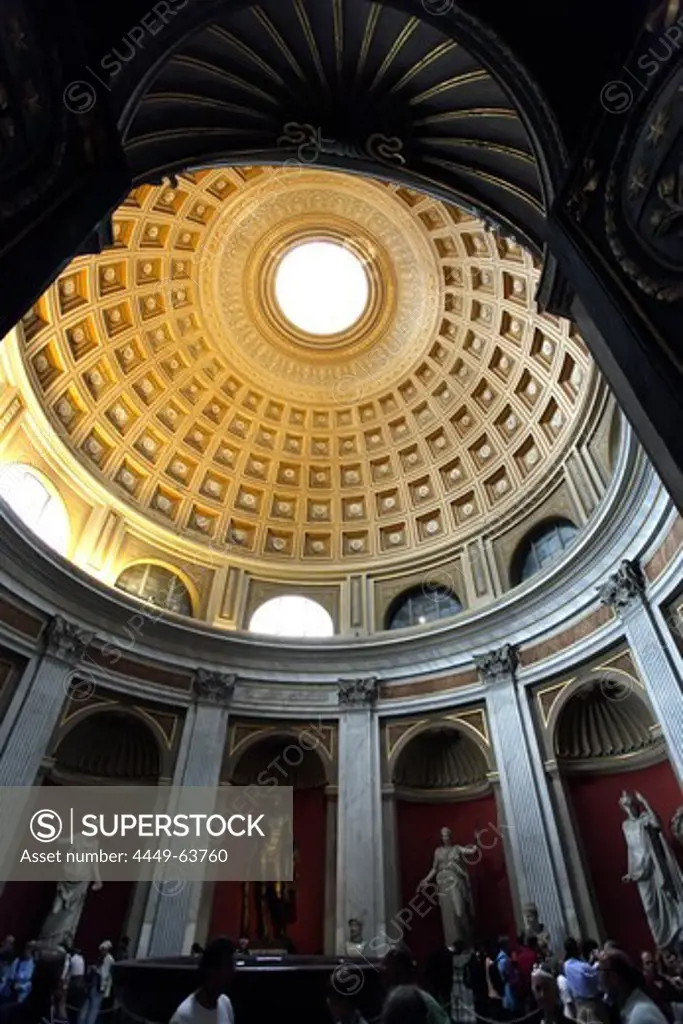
654, 869
452, 885
62, 922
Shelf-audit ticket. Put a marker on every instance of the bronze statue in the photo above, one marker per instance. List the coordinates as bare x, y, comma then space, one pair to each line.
269, 908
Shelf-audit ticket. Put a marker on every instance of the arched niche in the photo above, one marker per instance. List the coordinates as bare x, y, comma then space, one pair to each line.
98, 748
284, 757
605, 740
441, 777
108, 748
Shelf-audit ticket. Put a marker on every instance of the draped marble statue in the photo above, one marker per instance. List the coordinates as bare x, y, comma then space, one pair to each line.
62, 922
451, 883
653, 867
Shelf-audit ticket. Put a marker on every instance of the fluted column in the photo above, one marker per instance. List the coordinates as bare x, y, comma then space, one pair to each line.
360, 879
173, 908
625, 592
540, 872
41, 694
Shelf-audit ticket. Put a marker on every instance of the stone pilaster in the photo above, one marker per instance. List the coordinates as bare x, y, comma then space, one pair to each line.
173, 907
589, 920
360, 877
538, 869
625, 592
36, 707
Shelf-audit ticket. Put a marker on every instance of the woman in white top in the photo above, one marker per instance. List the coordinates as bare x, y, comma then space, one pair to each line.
208, 1004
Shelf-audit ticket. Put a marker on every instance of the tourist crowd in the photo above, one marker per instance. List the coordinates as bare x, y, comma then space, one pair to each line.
588, 984
82, 993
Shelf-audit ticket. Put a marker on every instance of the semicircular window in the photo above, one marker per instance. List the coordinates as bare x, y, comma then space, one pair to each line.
541, 546
420, 605
156, 585
292, 615
44, 512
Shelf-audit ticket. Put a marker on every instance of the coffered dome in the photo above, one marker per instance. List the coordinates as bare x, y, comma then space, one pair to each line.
170, 369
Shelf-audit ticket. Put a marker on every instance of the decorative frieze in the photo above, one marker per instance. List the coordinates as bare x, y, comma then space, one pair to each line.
499, 664
358, 693
214, 687
625, 587
67, 641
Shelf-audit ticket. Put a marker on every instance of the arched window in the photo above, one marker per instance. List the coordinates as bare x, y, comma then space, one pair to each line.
427, 603
541, 546
292, 615
156, 585
39, 508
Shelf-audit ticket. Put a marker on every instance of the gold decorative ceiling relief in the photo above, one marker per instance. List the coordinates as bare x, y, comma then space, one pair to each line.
167, 365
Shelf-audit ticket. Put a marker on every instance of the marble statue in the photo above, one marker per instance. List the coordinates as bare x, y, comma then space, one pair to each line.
355, 944
62, 922
654, 869
533, 927
450, 877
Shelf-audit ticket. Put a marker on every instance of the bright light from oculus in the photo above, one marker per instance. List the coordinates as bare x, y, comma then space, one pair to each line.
321, 287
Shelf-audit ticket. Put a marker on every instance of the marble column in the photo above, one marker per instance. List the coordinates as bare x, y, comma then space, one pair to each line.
625, 591
40, 697
538, 864
360, 878
173, 906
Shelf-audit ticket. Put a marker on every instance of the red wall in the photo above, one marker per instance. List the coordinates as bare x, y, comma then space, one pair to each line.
25, 905
307, 933
419, 826
598, 816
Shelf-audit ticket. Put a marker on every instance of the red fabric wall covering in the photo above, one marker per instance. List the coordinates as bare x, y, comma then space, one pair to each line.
104, 917
23, 908
418, 835
307, 933
598, 816
25, 905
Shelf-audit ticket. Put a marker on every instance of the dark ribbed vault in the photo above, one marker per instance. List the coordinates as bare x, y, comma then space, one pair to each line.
355, 73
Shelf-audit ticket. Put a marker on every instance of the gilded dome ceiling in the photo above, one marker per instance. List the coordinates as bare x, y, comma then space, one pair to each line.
169, 369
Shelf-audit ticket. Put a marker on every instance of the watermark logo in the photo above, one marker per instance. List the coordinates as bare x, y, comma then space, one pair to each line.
616, 97
347, 979
46, 826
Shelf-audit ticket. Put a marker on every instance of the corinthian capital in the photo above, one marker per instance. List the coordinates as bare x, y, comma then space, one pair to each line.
497, 664
358, 693
67, 641
624, 587
214, 687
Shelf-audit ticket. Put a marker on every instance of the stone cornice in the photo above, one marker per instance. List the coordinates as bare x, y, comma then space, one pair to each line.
630, 521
